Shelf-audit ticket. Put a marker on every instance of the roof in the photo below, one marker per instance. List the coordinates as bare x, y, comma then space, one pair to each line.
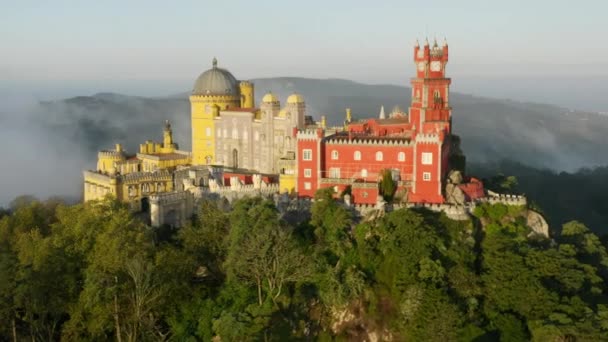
216, 81
295, 98
269, 98
393, 121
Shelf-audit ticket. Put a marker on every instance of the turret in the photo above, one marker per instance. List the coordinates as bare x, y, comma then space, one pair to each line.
167, 135
297, 107
247, 98
349, 118
270, 106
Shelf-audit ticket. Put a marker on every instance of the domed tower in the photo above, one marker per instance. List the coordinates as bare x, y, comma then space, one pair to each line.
214, 90
297, 108
270, 106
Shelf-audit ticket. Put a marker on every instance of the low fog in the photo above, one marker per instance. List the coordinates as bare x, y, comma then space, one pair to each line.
48, 144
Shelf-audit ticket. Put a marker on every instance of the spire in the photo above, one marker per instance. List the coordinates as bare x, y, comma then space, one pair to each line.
167, 135
426, 41
445, 41
382, 115
435, 43
417, 43
214, 62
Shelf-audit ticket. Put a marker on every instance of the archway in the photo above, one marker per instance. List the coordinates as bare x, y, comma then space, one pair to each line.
145, 204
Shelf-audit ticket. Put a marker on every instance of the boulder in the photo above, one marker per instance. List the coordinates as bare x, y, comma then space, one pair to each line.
537, 223
454, 194
455, 177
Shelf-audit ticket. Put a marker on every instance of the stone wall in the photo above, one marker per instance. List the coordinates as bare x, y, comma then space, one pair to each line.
171, 208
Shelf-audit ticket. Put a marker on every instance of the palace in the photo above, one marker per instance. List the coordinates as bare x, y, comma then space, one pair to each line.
240, 149
414, 147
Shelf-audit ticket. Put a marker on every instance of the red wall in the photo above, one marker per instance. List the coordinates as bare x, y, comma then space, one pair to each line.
306, 164
427, 191
351, 168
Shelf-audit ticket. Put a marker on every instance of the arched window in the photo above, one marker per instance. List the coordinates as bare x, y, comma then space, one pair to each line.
357, 155
364, 173
379, 156
401, 156
334, 155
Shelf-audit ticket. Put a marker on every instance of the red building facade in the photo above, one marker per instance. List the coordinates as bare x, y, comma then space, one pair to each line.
415, 147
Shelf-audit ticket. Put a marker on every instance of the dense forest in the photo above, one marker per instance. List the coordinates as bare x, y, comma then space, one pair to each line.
94, 272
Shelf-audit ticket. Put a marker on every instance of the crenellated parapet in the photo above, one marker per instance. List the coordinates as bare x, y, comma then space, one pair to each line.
370, 141
172, 197
428, 138
140, 177
111, 154
309, 134
506, 199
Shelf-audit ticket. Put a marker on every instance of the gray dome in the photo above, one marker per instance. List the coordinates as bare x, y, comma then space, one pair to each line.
216, 81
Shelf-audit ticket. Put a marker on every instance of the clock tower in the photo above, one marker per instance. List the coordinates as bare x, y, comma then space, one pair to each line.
430, 111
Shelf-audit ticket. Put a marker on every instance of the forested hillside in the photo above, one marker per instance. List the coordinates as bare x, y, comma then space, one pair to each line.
93, 272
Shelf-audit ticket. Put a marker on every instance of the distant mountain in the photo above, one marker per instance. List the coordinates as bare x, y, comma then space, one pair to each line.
534, 134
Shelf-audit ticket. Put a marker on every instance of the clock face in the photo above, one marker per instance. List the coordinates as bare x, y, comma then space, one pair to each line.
435, 66
421, 66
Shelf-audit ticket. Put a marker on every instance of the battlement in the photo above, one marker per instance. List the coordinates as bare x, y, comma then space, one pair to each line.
136, 177
309, 134
164, 198
213, 98
374, 141
111, 154
427, 52
428, 138
506, 199
96, 176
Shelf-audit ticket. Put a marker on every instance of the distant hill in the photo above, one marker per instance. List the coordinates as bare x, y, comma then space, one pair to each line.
534, 134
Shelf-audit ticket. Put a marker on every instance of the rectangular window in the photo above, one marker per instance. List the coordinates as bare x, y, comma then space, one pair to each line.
307, 173
334, 155
427, 158
334, 172
426, 176
307, 154
307, 186
208, 131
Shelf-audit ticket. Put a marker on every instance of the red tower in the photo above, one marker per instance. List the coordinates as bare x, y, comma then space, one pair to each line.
430, 111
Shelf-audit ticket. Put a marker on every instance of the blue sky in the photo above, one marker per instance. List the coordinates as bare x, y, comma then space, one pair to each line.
367, 41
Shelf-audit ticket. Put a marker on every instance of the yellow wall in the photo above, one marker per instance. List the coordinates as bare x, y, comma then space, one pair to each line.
247, 95
287, 183
136, 195
97, 186
152, 163
203, 126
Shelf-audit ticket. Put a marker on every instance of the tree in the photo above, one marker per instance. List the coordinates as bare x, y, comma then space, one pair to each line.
387, 185
266, 254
